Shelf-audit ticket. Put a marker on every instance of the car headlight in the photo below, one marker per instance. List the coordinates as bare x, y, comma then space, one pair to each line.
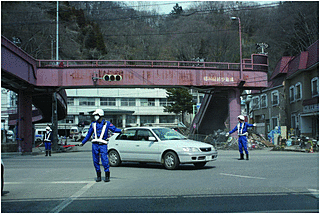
191, 149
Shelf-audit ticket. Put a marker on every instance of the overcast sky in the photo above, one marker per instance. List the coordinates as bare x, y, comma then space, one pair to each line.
165, 7
162, 7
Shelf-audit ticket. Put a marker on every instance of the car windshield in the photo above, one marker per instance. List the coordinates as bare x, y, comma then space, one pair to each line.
168, 134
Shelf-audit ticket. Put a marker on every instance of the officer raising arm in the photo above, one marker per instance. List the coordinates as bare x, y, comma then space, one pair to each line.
242, 133
99, 128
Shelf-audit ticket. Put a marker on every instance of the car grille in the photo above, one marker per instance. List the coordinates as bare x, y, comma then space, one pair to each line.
205, 149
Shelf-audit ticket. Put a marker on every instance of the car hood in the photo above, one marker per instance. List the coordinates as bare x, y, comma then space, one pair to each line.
187, 143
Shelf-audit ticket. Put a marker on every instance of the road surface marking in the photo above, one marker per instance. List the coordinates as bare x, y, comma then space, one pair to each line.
69, 200
314, 192
242, 176
51, 182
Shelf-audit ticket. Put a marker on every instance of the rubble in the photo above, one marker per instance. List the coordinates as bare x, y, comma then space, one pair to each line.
220, 141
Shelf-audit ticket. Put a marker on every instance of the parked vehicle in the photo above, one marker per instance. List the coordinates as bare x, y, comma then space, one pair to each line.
38, 136
84, 132
158, 145
10, 135
74, 131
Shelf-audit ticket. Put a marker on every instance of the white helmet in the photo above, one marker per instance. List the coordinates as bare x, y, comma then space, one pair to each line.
241, 117
98, 112
48, 128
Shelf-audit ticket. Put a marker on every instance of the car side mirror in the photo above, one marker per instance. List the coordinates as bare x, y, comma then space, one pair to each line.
152, 139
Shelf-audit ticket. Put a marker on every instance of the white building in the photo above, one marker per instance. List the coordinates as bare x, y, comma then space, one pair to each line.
8, 106
123, 107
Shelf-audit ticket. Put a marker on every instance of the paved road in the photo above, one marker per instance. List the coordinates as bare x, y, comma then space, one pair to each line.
268, 182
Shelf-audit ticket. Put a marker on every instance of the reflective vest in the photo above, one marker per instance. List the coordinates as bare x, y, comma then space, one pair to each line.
96, 139
240, 130
47, 137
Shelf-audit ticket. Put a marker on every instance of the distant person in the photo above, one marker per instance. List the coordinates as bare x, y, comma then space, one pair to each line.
242, 133
100, 128
47, 140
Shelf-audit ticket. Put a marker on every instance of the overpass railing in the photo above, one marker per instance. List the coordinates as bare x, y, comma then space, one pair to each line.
248, 64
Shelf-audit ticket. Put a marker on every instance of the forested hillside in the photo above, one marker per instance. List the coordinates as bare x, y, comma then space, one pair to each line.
113, 30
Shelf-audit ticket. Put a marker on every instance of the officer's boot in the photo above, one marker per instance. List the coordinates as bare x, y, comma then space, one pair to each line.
247, 156
98, 177
241, 156
107, 178
47, 153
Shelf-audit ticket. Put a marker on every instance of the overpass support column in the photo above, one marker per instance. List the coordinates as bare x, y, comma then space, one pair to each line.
234, 107
25, 121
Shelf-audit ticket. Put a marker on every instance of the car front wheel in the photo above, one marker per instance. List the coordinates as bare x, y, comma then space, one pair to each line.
114, 158
171, 160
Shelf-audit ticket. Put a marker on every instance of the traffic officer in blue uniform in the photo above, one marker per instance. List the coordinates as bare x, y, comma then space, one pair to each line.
242, 127
99, 128
47, 139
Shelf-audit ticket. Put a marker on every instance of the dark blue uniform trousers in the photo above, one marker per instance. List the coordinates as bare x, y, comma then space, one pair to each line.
47, 145
243, 144
103, 150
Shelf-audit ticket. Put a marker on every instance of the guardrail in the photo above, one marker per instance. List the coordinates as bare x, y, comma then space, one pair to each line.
247, 64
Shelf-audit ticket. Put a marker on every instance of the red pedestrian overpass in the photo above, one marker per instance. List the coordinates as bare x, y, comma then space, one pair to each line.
36, 80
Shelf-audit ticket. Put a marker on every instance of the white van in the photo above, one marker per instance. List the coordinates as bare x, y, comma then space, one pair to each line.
84, 132
38, 135
10, 135
73, 131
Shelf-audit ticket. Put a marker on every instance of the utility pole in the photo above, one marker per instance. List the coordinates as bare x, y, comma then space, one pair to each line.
54, 96
54, 121
57, 42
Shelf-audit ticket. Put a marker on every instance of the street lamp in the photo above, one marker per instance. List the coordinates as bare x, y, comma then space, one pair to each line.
237, 18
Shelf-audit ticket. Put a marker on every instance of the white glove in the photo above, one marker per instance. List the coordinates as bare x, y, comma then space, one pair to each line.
254, 124
227, 135
80, 144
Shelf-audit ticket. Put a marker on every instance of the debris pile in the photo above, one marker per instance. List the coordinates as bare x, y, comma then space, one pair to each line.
217, 139
220, 141
259, 139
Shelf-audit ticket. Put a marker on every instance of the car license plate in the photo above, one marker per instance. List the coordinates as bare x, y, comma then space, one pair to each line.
208, 158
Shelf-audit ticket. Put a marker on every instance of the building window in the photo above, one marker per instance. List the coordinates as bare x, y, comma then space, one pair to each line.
275, 98
128, 102
70, 101
315, 87
69, 119
274, 122
298, 91
167, 118
165, 102
147, 102
293, 121
88, 101
131, 119
255, 102
291, 94
106, 101
146, 119
264, 101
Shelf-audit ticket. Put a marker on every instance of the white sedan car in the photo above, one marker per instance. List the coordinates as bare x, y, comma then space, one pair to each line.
158, 145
